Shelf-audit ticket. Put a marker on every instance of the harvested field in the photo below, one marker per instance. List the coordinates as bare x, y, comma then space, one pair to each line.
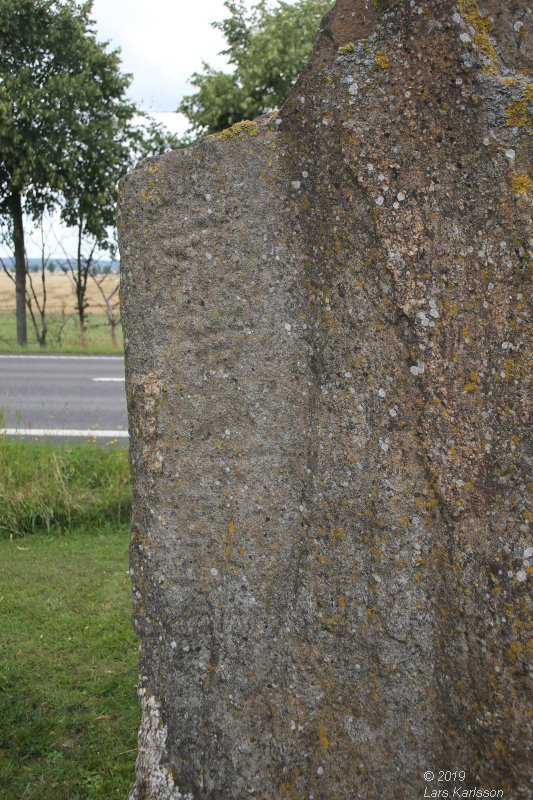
60, 292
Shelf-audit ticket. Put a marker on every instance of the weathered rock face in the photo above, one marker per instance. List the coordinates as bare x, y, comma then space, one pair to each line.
325, 318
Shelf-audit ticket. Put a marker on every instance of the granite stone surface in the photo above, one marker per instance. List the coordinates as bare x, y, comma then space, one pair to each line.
325, 314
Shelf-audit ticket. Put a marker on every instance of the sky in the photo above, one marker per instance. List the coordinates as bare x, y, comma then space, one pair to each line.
162, 43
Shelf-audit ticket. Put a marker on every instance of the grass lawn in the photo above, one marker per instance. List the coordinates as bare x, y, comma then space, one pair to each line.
63, 336
44, 487
68, 657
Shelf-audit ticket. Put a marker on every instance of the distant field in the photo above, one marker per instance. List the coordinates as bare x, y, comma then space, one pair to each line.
63, 329
60, 293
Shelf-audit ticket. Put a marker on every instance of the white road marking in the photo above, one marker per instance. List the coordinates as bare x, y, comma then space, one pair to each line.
61, 432
65, 358
108, 380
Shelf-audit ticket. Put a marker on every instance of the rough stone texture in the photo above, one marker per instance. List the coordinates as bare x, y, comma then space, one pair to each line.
325, 318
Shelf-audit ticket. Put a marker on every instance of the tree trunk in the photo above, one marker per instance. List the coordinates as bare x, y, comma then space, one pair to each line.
80, 289
20, 268
113, 333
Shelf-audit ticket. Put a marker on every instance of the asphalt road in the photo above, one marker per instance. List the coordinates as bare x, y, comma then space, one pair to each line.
74, 397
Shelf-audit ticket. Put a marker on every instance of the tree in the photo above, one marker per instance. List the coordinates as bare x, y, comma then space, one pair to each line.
62, 104
109, 292
268, 47
35, 299
111, 145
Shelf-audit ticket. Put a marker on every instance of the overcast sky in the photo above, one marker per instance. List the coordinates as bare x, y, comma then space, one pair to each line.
162, 43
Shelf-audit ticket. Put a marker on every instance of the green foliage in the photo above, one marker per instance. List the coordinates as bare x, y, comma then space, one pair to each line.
267, 47
67, 129
60, 90
68, 667
46, 487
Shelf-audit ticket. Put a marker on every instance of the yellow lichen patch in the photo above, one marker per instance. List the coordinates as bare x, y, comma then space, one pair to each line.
229, 536
289, 790
515, 648
451, 308
239, 129
517, 114
382, 59
466, 335
323, 739
347, 49
482, 25
154, 169
522, 183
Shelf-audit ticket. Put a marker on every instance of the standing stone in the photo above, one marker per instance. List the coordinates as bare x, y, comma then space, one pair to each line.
325, 318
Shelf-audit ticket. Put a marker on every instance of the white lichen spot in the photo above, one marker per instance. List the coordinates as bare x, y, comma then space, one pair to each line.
288, 327
400, 196
465, 38
382, 392
214, 572
173, 645
380, 200
521, 575
295, 185
153, 778
510, 154
418, 369
518, 26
